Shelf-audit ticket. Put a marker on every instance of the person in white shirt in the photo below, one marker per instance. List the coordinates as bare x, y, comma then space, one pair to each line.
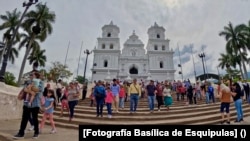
59, 91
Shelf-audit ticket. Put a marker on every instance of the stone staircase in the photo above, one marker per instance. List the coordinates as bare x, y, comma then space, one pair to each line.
179, 113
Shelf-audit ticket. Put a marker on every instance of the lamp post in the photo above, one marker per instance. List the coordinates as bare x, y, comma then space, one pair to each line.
202, 56
9, 46
193, 63
87, 52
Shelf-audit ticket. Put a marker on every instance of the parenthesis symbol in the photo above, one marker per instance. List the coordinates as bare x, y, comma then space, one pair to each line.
243, 133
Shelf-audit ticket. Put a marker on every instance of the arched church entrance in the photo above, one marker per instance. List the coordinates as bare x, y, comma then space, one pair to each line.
133, 70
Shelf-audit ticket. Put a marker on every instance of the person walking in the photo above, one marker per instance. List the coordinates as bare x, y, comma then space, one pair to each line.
100, 94
33, 109
151, 91
134, 92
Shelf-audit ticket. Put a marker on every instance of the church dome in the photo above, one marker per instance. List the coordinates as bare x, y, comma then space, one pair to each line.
133, 40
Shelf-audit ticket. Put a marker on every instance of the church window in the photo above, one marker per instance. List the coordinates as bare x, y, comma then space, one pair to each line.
111, 46
156, 47
103, 46
163, 47
161, 64
158, 36
105, 64
109, 35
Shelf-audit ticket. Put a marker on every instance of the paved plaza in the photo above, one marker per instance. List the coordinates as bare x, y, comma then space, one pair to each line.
10, 127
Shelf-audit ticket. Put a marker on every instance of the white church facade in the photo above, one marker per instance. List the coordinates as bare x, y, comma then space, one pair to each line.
155, 61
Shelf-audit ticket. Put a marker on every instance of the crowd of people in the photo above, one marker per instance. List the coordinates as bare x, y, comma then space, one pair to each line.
38, 98
114, 94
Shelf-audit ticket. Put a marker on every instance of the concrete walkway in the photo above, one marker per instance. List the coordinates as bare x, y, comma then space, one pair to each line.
9, 128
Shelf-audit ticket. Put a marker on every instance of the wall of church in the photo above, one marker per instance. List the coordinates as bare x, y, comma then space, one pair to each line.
155, 61
108, 43
106, 60
140, 66
162, 76
102, 75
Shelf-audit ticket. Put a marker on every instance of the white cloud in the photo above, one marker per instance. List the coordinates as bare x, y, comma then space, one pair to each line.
196, 22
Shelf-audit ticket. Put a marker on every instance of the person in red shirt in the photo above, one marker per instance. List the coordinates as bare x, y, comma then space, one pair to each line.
109, 99
159, 96
121, 96
178, 90
183, 92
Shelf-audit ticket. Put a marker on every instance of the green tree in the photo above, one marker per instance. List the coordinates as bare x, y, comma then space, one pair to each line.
80, 79
236, 42
9, 79
58, 70
12, 56
38, 56
38, 23
10, 21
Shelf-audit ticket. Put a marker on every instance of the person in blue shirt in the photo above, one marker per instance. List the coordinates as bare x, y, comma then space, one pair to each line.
115, 89
99, 94
49, 106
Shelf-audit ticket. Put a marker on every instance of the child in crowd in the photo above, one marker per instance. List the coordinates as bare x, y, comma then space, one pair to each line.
64, 101
49, 106
121, 97
33, 88
109, 100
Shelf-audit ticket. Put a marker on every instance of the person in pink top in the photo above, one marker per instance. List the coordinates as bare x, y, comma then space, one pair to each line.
64, 101
109, 99
121, 97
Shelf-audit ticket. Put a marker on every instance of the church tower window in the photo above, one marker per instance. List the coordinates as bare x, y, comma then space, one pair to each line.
103, 46
161, 64
158, 36
156, 47
105, 64
109, 35
111, 46
163, 47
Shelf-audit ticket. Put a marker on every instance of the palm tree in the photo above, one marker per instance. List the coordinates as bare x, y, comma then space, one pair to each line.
224, 61
247, 34
38, 56
13, 54
41, 21
10, 21
235, 42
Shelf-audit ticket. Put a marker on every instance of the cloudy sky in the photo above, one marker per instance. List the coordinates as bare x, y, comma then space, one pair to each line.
187, 22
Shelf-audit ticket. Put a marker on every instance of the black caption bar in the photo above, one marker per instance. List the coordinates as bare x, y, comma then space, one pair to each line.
211, 132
